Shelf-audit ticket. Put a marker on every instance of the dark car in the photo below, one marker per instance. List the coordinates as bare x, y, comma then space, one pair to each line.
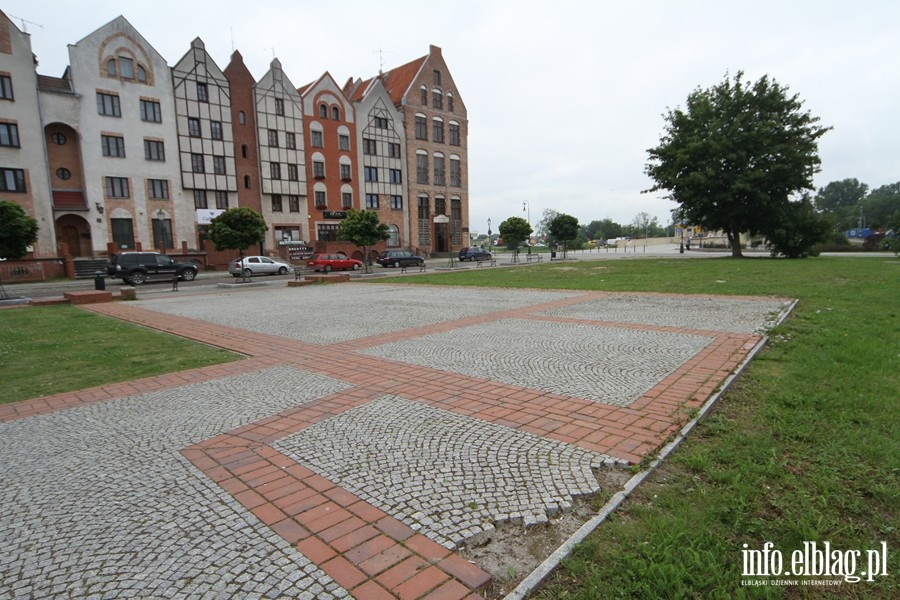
474, 253
137, 267
399, 258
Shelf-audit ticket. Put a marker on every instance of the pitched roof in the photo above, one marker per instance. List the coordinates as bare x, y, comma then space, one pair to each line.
397, 81
54, 84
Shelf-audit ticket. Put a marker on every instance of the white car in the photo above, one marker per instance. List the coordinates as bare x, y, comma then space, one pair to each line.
258, 265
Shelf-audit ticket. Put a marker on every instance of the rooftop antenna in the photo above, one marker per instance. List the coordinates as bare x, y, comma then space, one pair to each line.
381, 53
23, 21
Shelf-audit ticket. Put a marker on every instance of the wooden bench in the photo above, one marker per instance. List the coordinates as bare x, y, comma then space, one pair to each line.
492, 262
534, 257
403, 268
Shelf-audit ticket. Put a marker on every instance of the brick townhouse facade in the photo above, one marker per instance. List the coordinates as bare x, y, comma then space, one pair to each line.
123, 151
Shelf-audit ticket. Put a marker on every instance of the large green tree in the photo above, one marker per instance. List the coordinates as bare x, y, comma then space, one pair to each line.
362, 228
563, 228
17, 230
736, 154
514, 231
880, 206
841, 199
800, 229
237, 229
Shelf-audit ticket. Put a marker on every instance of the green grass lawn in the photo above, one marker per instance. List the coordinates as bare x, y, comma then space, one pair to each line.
804, 447
53, 349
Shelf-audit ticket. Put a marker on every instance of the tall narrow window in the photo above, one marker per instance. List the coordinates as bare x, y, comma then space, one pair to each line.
194, 127
335, 113
279, 106
372, 201
346, 200
318, 169
316, 139
320, 199
290, 140
126, 67
454, 134
343, 142
275, 170
437, 133
395, 176
215, 130
276, 203
9, 135
438, 170
6, 87
202, 92
436, 77
345, 172
200, 199
323, 111
294, 203
397, 202
370, 147
437, 99
221, 199
455, 175
371, 174
197, 164
219, 165
293, 172
423, 95
421, 168
421, 128
393, 150
272, 136
450, 102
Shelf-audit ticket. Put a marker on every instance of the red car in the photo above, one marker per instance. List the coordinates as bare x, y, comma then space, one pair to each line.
333, 262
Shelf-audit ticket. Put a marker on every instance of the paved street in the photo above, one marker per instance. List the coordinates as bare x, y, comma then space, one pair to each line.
371, 432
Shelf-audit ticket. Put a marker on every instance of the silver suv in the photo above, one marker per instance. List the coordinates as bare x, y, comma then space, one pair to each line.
137, 267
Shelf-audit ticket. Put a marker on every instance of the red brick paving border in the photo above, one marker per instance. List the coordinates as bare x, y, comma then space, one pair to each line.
362, 548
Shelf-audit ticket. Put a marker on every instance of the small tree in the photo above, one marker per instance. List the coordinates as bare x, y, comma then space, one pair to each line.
564, 228
514, 231
17, 230
362, 228
799, 230
237, 229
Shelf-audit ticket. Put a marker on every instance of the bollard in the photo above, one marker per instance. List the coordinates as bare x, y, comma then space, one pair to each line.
99, 282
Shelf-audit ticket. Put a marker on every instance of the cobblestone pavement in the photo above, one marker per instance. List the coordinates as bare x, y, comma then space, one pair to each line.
371, 432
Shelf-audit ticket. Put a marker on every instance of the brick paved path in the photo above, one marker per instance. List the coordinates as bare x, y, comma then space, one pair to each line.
370, 433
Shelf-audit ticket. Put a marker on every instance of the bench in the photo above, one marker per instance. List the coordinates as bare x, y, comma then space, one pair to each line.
491, 262
300, 273
403, 268
534, 257
175, 283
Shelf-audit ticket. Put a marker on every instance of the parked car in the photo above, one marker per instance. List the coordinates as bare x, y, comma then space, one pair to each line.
474, 253
333, 262
258, 265
399, 258
137, 267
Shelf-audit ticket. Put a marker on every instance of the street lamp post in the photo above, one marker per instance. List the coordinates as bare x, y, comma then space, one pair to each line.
490, 239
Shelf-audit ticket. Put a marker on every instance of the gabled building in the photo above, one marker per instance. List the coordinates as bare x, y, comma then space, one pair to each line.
436, 125
282, 168
205, 136
381, 140
243, 120
332, 159
23, 175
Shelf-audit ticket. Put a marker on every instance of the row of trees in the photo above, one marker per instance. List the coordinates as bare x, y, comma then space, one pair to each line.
850, 204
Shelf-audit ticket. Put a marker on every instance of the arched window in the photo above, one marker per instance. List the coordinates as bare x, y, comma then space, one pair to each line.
394, 232
450, 101
111, 67
242, 119
335, 113
323, 111
141, 74
244, 151
247, 182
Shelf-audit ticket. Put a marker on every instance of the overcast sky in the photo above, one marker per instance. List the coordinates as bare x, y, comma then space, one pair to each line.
564, 97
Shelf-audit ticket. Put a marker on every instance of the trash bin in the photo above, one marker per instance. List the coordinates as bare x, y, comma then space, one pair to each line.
552, 254
99, 281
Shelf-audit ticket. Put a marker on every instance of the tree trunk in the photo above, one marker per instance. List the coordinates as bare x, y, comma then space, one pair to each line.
735, 240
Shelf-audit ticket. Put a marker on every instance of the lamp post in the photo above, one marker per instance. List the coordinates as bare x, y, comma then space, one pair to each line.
490, 239
160, 214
